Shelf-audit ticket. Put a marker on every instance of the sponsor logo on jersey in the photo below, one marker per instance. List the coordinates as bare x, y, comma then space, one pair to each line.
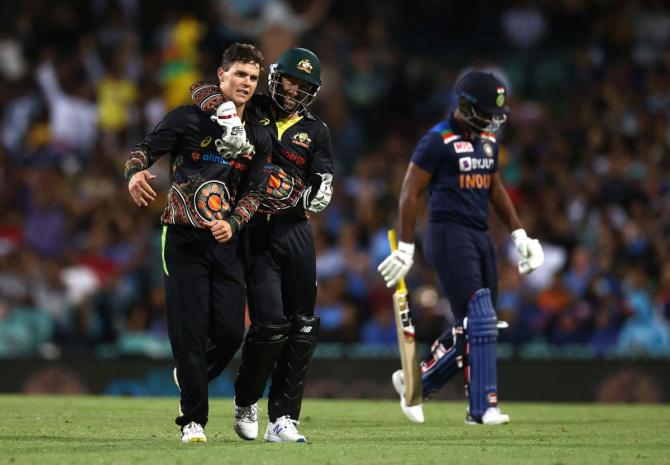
470, 163
206, 141
294, 157
195, 156
214, 157
264, 121
463, 146
302, 139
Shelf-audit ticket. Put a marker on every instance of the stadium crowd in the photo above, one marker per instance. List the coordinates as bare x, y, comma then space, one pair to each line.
585, 157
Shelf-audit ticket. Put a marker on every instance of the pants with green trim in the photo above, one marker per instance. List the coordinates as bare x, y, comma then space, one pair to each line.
205, 293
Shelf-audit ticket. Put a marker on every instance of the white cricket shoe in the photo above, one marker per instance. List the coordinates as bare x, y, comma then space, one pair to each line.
193, 432
413, 413
492, 416
283, 430
246, 421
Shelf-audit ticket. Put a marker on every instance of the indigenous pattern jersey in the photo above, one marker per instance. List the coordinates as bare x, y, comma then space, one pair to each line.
205, 186
301, 147
461, 170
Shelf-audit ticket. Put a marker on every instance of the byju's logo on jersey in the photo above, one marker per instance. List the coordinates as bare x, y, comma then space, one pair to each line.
302, 139
469, 163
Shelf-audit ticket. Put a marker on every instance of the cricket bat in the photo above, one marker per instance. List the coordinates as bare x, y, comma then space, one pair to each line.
406, 335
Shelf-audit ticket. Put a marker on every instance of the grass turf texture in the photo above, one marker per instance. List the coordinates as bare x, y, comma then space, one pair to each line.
101, 430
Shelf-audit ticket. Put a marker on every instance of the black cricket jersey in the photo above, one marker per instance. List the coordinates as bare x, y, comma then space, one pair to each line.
204, 185
461, 171
301, 147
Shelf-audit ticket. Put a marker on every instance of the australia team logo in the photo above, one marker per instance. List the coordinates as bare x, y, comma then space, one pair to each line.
211, 201
305, 65
302, 139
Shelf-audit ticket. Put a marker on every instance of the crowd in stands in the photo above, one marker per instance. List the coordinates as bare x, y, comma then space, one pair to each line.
585, 157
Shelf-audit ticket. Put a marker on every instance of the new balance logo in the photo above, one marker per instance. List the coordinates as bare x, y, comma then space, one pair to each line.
306, 329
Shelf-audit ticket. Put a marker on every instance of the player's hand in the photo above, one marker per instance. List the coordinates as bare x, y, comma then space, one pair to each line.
140, 190
234, 136
319, 201
530, 251
221, 230
395, 266
229, 150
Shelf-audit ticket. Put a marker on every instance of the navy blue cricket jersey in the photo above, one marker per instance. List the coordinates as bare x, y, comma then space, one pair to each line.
461, 173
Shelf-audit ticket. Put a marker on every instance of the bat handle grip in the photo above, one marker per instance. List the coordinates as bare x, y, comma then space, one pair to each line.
393, 243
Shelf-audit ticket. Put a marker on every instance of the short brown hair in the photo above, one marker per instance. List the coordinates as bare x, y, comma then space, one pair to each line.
241, 53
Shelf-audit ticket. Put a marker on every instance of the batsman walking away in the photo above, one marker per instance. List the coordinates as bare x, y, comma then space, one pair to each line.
457, 162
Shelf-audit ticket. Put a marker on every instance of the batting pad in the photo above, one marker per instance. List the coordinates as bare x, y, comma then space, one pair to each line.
482, 333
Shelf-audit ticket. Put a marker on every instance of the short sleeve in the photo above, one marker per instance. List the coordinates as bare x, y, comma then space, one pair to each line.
429, 152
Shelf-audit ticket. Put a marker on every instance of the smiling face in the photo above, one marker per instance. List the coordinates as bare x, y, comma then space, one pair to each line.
239, 82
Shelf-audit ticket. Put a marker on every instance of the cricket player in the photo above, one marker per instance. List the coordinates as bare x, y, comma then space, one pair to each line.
215, 162
279, 251
457, 161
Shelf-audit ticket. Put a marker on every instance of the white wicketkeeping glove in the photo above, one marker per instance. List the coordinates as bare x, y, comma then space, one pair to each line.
395, 266
233, 141
321, 199
530, 250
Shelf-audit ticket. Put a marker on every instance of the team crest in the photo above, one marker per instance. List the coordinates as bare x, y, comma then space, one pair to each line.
305, 65
488, 150
211, 201
500, 99
302, 139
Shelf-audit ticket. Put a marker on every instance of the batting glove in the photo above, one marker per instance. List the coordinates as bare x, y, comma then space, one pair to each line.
395, 266
233, 142
530, 251
319, 201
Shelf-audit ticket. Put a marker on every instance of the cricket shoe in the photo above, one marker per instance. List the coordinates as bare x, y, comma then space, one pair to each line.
283, 430
193, 432
492, 416
415, 412
246, 421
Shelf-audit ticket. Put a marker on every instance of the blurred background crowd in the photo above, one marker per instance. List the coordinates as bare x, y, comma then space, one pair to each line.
585, 157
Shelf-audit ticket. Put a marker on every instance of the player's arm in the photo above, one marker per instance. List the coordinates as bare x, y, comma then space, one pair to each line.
413, 186
319, 189
396, 265
426, 159
252, 190
529, 249
502, 204
154, 145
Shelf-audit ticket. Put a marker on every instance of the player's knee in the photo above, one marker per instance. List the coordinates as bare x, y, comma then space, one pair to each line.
482, 320
271, 333
306, 325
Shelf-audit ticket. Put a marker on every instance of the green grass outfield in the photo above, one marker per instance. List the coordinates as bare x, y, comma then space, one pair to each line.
102, 430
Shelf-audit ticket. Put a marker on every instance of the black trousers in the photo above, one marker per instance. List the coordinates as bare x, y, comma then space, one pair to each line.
204, 286
280, 269
281, 283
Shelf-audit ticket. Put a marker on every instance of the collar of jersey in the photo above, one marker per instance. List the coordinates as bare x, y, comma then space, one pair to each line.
285, 123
